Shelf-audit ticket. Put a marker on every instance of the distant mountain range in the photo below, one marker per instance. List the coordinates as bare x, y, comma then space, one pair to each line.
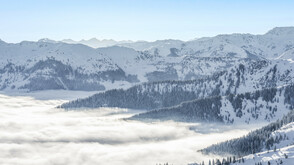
95, 43
48, 64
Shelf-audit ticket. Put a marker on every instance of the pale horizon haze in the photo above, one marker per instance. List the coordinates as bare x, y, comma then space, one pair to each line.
139, 20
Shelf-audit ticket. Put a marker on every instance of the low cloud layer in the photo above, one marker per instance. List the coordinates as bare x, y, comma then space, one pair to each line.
32, 132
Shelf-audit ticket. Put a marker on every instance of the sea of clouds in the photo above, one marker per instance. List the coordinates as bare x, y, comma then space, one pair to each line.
33, 132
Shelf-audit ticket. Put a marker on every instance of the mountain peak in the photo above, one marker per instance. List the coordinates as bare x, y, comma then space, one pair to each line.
2, 42
89, 40
68, 41
284, 31
93, 39
47, 40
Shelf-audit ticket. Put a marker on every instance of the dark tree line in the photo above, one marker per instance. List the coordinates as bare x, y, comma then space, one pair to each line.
253, 142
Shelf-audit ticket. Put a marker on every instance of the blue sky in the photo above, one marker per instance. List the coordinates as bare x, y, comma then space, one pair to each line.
139, 19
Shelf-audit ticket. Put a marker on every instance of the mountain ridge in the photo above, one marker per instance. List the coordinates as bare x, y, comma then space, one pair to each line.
157, 61
239, 79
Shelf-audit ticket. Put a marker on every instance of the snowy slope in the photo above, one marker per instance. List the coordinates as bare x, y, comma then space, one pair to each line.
281, 150
127, 64
111, 67
204, 56
154, 95
47, 65
28, 53
283, 155
261, 106
159, 47
287, 55
269, 45
284, 152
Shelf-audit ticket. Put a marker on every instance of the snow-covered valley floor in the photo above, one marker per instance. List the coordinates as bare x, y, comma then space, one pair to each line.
33, 132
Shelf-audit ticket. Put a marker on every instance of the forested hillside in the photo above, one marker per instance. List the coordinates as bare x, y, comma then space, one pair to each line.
273, 136
259, 106
240, 79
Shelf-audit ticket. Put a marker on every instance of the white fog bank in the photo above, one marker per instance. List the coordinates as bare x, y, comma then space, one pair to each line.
33, 132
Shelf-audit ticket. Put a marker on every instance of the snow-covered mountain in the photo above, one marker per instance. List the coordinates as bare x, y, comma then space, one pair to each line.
58, 65
43, 65
239, 79
159, 47
24, 64
95, 43
270, 45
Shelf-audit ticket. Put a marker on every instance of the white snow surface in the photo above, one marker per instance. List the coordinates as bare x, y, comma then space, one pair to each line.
285, 147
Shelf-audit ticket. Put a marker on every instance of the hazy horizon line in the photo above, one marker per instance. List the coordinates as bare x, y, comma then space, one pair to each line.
139, 40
